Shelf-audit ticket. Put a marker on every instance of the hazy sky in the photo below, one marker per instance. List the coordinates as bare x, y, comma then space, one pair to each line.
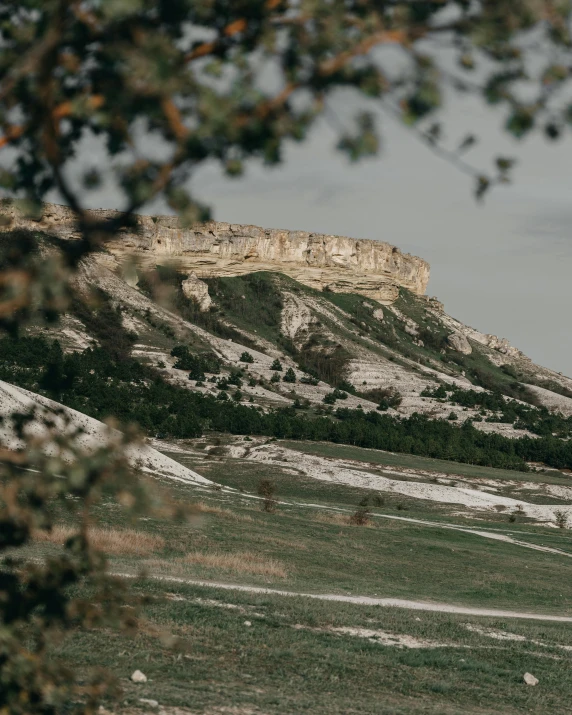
503, 267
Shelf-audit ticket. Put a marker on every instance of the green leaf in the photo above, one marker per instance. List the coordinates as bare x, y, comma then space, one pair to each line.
520, 122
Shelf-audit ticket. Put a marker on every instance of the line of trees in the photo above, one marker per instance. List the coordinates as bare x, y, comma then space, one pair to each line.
96, 383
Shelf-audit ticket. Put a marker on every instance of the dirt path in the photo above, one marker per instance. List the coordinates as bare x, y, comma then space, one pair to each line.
495, 536
361, 600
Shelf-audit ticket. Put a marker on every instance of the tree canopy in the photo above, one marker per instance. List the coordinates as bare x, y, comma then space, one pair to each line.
230, 80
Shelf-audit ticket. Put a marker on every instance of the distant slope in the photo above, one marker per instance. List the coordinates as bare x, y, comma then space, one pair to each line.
95, 434
335, 350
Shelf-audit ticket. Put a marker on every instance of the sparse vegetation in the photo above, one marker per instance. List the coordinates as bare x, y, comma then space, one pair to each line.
267, 490
107, 540
289, 376
239, 562
362, 515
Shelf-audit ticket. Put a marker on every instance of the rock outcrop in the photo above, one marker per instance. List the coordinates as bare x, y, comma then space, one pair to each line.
371, 268
459, 342
197, 290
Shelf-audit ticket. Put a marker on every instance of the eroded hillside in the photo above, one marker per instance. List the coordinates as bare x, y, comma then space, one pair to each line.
289, 355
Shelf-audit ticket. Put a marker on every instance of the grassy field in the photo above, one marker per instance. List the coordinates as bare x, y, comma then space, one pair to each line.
314, 549
215, 652
211, 651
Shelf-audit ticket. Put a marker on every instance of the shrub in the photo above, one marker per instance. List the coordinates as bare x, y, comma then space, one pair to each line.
237, 396
275, 377
276, 365
327, 363
309, 380
561, 519
386, 397
246, 357
378, 500
362, 515
290, 375
266, 490
439, 392
196, 364
452, 416
234, 378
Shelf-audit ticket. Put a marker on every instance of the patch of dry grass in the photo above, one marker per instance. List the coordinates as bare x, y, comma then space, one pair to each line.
331, 517
110, 541
239, 562
202, 508
335, 518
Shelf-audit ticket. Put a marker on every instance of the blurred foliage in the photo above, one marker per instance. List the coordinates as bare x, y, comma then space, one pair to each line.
219, 81
232, 80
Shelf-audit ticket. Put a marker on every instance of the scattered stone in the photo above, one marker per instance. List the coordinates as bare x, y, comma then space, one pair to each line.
529, 679
138, 677
502, 345
151, 703
197, 290
460, 343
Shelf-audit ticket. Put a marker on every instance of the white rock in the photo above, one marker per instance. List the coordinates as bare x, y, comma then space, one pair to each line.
247, 623
529, 679
196, 289
374, 269
138, 677
378, 314
151, 703
460, 343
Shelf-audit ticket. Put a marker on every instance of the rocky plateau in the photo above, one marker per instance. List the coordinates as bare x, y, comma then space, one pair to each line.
371, 268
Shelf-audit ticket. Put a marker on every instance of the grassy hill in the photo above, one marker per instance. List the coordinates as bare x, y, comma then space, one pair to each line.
387, 524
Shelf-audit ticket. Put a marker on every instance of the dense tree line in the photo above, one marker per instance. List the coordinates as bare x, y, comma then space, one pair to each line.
101, 385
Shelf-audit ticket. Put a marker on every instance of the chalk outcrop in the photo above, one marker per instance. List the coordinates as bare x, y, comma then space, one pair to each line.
460, 343
371, 268
196, 289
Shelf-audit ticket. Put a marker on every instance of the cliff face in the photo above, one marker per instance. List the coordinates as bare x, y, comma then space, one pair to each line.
372, 268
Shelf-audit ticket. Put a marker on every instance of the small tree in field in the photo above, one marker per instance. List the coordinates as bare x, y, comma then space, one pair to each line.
267, 490
362, 515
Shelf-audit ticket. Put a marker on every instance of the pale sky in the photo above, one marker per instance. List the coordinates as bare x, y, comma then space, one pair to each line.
502, 267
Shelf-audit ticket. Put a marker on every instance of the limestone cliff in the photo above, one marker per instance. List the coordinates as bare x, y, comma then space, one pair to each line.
372, 268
